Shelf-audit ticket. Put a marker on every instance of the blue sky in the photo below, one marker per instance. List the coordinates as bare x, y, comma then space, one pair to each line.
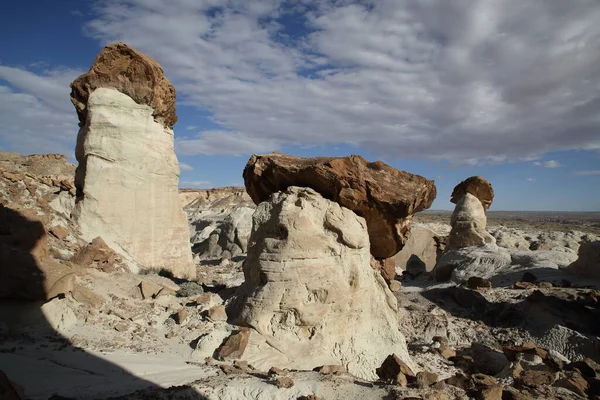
505, 89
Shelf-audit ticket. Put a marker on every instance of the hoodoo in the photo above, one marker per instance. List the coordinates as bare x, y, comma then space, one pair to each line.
128, 174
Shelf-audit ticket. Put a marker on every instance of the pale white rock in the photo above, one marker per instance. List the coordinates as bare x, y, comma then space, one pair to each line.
510, 238
420, 250
560, 257
310, 291
480, 261
128, 174
220, 221
59, 316
469, 224
63, 203
209, 342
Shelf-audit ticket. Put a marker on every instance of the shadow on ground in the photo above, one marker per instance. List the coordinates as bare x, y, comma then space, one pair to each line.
38, 362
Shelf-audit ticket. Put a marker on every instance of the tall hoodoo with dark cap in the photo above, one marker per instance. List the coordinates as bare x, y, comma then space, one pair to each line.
128, 175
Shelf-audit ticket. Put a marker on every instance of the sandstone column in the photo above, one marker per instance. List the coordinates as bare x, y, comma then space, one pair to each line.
128, 175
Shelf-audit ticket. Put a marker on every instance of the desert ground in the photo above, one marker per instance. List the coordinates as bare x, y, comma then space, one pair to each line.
322, 278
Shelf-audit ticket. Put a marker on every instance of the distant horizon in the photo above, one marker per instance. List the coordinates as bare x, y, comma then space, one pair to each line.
441, 89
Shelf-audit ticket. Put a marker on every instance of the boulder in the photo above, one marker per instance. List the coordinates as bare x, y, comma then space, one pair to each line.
476, 186
310, 291
588, 261
132, 73
421, 250
128, 175
468, 224
484, 262
97, 254
384, 196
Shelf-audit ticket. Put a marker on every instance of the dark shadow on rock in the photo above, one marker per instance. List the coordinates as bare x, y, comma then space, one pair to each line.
538, 311
52, 365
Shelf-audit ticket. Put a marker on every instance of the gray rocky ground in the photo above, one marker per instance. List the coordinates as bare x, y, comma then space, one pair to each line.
110, 333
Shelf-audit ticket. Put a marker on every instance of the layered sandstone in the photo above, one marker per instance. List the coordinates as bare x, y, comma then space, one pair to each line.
384, 196
472, 197
310, 291
128, 175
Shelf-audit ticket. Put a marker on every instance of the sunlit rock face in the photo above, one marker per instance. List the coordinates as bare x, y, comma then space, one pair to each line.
128, 175
310, 291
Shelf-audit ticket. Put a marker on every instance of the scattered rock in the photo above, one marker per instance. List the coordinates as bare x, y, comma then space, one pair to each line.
182, 316
59, 231
574, 382
475, 282
384, 196
234, 346
493, 392
524, 285
461, 381
148, 289
97, 254
217, 313
276, 371
392, 367
533, 378
426, 379
284, 382
395, 286
330, 369
488, 360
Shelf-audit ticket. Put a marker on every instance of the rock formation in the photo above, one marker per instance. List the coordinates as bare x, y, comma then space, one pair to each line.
128, 173
588, 262
478, 187
422, 250
130, 72
472, 197
385, 197
310, 292
220, 221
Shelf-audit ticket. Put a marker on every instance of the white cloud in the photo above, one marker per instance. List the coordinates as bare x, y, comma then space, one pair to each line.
223, 142
191, 127
468, 82
185, 167
36, 115
196, 184
530, 180
591, 172
548, 164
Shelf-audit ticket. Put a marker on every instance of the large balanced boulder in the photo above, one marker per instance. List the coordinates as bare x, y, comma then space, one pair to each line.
472, 197
310, 294
128, 175
135, 74
384, 196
